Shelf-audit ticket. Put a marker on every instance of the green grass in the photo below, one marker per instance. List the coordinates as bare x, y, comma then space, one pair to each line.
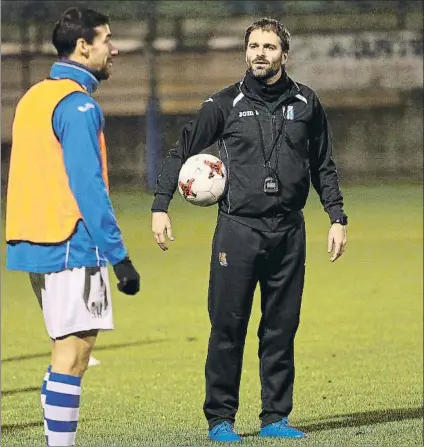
359, 349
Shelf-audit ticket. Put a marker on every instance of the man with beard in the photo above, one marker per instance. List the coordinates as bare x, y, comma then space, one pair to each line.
274, 140
60, 224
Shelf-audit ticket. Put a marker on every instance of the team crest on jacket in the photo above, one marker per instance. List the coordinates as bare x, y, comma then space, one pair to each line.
289, 112
222, 257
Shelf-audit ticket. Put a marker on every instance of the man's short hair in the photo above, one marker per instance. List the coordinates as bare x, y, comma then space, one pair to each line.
74, 24
266, 24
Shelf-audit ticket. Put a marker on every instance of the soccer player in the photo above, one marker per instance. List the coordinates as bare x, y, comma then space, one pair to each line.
60, 224
274, 139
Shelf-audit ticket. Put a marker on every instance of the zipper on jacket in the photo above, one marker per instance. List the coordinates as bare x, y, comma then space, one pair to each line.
285, 137
274, 135
273, 126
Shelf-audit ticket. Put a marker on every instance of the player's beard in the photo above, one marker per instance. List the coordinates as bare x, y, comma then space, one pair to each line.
101, 75
103, 72
268, 71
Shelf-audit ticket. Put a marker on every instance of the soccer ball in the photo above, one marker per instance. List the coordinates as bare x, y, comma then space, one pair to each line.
202, 179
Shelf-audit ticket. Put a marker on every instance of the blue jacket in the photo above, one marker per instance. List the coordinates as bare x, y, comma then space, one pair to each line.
97, 238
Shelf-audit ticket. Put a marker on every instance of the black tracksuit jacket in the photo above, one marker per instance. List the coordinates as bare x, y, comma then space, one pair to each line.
245, 126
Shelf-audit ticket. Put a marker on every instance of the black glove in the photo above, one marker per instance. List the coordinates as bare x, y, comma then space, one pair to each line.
129, 279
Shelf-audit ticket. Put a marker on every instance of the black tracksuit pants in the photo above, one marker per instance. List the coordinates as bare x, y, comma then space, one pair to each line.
242, 257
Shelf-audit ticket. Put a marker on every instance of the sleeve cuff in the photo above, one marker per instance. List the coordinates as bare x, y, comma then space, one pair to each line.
336, 213
161, 203
116, 255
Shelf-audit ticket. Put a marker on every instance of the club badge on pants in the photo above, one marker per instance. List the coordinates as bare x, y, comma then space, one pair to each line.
222, 257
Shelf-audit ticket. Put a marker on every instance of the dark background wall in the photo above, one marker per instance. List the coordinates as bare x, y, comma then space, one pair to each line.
365, 60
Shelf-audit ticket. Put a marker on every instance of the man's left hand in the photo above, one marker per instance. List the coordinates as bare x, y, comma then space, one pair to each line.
337, 239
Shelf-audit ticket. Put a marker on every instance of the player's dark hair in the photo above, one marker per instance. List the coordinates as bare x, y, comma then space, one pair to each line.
76, 23
266, 24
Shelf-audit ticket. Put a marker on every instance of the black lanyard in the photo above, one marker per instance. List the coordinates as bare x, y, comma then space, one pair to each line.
267, 160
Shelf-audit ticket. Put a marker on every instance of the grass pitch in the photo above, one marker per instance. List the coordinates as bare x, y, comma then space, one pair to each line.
359, 349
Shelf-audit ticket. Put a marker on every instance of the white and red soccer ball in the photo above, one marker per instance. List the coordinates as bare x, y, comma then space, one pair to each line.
202, 179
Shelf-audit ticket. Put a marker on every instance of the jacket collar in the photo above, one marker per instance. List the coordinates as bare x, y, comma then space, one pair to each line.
67, 69
285, 89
